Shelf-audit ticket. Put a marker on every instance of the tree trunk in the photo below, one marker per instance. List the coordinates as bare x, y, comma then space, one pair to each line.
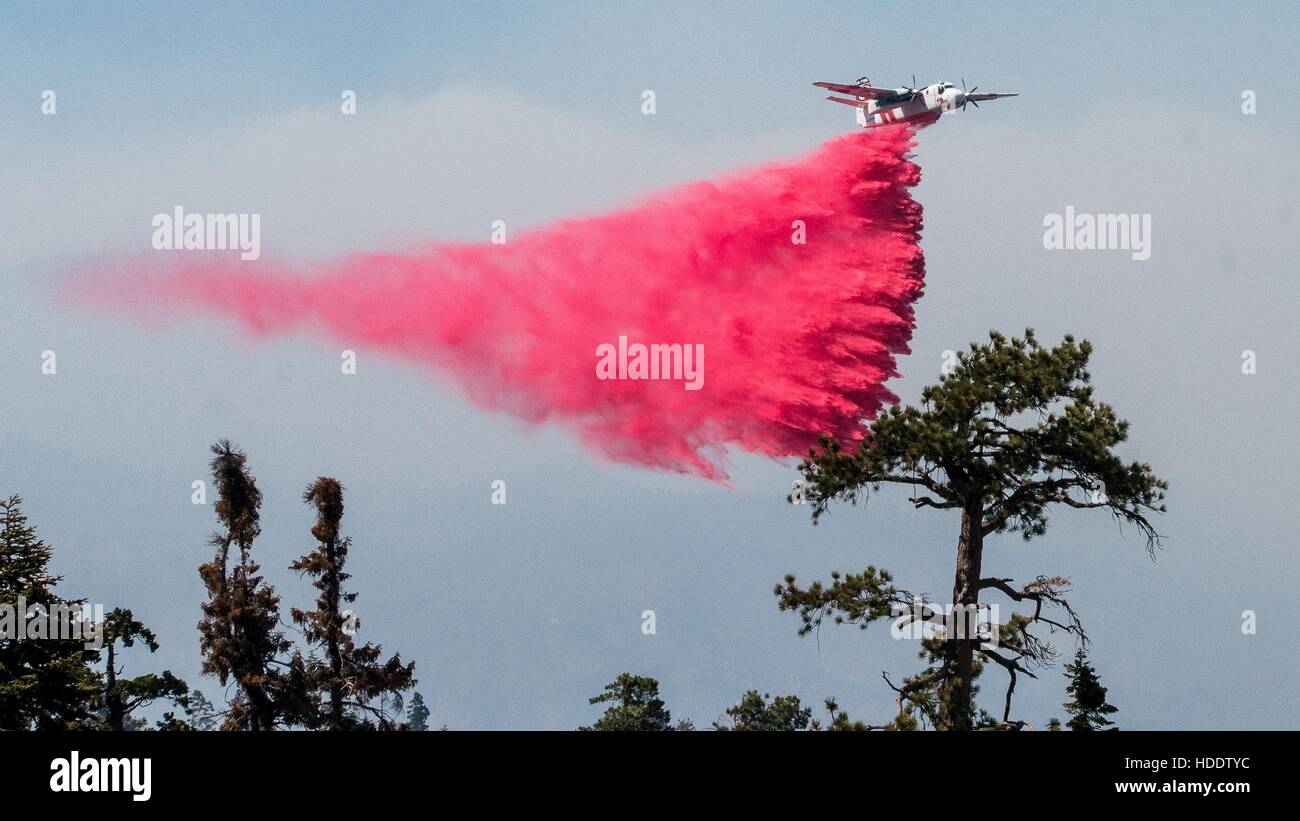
955, 708
332, 637
116, 711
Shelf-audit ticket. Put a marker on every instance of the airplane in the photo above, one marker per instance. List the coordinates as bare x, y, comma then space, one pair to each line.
890, 106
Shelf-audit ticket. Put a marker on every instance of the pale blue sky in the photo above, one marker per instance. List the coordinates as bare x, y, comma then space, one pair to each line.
516, 614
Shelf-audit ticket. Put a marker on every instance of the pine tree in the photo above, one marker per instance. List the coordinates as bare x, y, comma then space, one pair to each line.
353, 685
199, 714
1010, 431
121, 697
1089, 708
635, 706
417, 716
904, 721
45, 683
238, 633
755, 713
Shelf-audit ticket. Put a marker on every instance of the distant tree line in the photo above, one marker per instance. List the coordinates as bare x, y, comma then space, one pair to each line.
323, 681
635, 706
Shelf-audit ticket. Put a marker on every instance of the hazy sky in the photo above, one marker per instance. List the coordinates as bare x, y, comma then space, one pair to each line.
515, 614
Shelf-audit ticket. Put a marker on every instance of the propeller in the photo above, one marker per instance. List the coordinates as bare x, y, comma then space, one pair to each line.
965, 95
911, 90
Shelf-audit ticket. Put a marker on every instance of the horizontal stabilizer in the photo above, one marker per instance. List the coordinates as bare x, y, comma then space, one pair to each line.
842, 100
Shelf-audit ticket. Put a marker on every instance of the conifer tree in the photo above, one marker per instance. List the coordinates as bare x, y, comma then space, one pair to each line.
46, 683
238, 633
121, 697
635, 706
352, 684
199, 714
1012, 430
755, 713
417, 715
1089, 708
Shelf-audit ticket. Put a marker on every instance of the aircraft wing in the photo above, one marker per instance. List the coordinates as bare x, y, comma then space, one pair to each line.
991, 95
869, 92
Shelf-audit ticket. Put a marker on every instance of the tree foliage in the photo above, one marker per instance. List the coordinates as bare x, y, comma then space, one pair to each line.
46, 683
1012, 430
755, 712
239, 634
121, 697
1088, 709
1013, 427
50, 681
634, 706
199, 714
417, 714
353, 685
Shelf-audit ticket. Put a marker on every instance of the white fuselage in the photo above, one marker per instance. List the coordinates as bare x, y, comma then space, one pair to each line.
926, 104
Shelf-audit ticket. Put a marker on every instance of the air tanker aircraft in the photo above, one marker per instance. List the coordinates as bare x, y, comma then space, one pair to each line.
888, 106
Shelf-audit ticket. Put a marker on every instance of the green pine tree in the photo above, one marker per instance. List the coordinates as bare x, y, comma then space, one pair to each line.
1089, 708
1011, 431
199, 714
417, 715
45, 683
755, 713
904, 721
635, 706
120, 697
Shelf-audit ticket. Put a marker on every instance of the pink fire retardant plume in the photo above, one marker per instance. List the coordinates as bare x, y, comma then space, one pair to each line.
798, 338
